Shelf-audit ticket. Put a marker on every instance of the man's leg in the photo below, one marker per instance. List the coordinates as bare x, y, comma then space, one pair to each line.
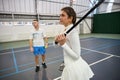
37, 63
43, 61
61, 66
36, 60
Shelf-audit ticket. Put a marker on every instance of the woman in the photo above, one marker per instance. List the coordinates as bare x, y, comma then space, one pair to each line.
75, 67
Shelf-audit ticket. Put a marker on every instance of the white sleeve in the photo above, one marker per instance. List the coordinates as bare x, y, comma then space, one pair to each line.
74, 49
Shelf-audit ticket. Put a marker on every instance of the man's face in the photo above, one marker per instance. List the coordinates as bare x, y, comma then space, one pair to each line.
35, 24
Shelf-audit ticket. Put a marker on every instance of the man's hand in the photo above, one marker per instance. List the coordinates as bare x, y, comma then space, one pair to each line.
31, 49
46, 45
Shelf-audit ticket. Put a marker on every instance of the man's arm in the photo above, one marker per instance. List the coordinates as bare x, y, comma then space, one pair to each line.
31, 45
46, 42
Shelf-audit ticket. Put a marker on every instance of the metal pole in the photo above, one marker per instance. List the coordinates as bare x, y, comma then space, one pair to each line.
71, 3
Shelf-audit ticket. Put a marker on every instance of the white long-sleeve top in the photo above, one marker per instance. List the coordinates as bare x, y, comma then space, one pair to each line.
71, 48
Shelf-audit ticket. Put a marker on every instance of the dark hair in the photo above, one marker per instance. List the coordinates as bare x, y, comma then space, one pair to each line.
35, 20
70, 12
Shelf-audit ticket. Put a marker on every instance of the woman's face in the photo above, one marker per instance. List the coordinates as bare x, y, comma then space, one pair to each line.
64, 19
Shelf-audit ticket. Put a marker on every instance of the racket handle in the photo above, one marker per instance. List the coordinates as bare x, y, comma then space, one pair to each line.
57, 42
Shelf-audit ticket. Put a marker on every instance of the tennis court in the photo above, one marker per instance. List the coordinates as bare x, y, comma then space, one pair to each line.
102, 54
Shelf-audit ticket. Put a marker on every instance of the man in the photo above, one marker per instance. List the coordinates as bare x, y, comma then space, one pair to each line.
38, 41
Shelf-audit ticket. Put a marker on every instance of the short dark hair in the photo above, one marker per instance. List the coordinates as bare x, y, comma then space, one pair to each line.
35, 20
70, 12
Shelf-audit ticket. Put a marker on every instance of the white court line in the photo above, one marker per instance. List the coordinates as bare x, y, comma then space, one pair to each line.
100, 52
91, 64
14, 51
18, 51
6, 53
28, 49
101, 60
86, 39
21, 50
57, 78
110, 55
96, 51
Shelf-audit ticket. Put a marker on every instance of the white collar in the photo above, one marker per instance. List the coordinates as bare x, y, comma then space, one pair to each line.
68, 27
